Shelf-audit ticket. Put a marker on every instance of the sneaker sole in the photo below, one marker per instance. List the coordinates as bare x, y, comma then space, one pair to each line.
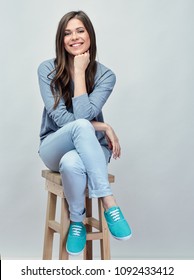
74, 254
122, 238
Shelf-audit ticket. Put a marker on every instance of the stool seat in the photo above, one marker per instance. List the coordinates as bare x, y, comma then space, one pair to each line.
53, 185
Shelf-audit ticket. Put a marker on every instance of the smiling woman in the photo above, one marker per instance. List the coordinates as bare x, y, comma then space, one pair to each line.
77, 44
74, 138
74, 28
77, 39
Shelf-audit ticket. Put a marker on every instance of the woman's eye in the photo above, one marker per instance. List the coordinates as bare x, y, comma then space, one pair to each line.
67, 33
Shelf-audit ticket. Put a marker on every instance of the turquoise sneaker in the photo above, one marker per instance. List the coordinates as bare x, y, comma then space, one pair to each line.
117, 224
76, 239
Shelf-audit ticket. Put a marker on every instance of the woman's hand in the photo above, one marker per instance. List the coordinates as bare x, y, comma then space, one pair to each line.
113, 142
81, 62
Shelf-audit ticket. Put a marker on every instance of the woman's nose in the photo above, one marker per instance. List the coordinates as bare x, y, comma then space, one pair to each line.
74, 35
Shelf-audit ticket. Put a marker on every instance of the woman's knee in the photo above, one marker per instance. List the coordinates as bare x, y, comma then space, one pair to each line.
71, 163
83, 124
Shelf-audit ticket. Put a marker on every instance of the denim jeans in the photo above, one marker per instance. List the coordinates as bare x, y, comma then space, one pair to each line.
76, 153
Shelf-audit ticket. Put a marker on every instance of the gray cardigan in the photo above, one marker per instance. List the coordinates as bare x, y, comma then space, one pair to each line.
83, 107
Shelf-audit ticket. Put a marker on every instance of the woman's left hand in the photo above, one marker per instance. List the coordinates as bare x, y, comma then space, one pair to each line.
113, 142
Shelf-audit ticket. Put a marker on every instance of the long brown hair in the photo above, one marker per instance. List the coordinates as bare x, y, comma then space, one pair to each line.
60, 84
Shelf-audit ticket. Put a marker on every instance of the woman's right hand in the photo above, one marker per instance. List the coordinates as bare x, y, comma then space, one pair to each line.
81, 62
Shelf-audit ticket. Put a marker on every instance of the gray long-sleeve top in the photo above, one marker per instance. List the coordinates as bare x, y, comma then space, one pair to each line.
83, 107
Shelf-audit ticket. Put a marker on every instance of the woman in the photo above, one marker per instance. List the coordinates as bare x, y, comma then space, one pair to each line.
74, 138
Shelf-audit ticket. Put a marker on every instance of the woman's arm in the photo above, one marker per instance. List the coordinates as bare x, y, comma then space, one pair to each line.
80, 65
111, 137
89, 106
60, 115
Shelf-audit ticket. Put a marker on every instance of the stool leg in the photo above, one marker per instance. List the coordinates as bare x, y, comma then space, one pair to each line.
49, 233
63, 255
105, 242
88, 252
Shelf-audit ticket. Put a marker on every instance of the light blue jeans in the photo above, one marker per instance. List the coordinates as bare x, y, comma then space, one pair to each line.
76, 153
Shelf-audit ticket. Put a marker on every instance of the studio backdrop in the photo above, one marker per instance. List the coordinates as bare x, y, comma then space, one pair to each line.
149, 46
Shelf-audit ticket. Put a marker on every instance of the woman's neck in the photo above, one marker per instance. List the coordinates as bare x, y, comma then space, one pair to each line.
71, 66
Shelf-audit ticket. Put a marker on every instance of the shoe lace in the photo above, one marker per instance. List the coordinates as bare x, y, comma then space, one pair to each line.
76, 230
115, 215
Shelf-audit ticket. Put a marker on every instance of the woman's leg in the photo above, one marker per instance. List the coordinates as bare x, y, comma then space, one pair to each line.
73, 174
80, 136
74, 180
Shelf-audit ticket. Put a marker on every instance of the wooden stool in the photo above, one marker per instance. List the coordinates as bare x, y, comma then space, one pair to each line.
55, 189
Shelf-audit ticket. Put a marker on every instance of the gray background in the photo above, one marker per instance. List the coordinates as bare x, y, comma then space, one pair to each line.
149, 45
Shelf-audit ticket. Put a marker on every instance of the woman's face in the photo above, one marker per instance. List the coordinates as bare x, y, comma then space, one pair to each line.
76, 40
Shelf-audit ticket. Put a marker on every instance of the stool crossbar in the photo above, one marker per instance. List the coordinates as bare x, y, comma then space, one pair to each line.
53, 185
